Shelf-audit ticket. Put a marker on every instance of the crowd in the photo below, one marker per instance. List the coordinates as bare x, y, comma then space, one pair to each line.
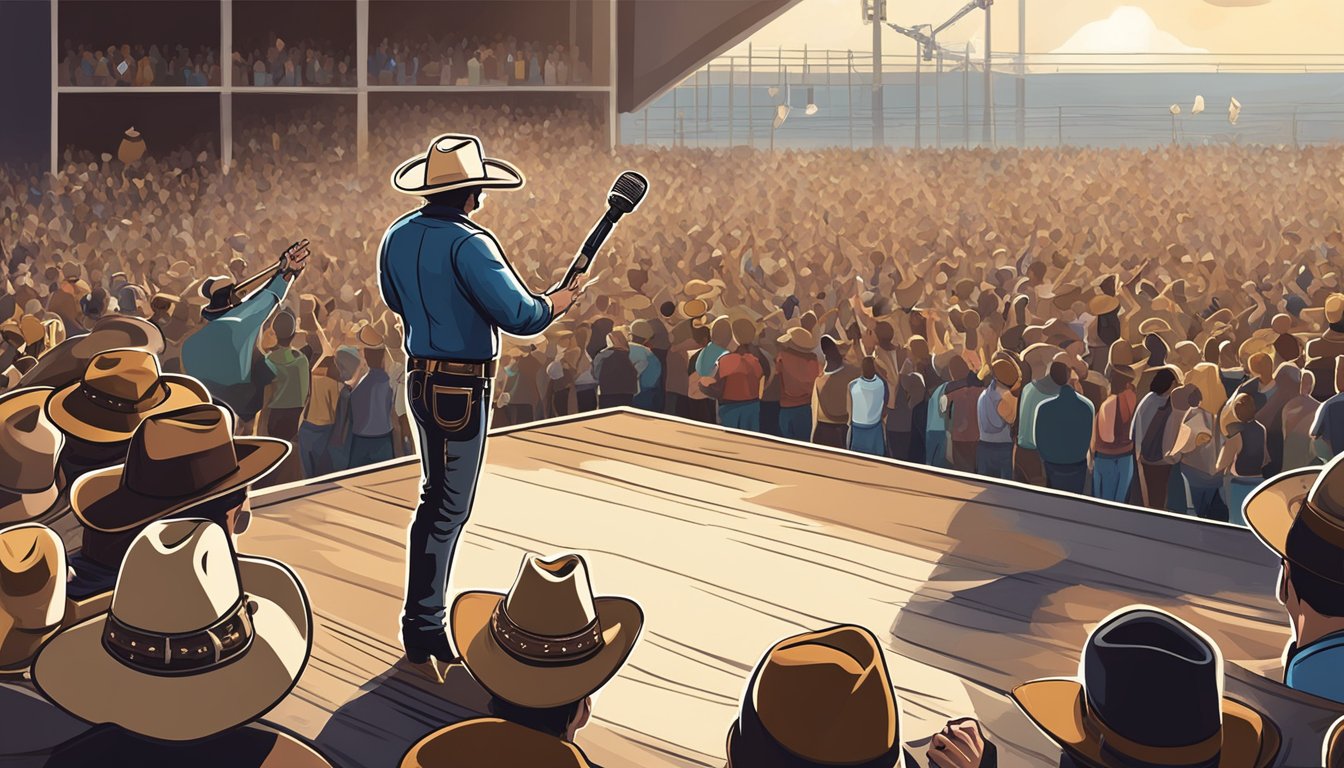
1161, 326
139, 65
307, 63
479, 61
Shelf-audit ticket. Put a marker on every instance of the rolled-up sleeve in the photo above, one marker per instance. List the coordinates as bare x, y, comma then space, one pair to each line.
495, 288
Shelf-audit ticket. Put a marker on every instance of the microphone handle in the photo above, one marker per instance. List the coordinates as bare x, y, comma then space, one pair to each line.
596, 237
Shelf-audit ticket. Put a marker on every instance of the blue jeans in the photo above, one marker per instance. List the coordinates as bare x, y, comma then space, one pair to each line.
1236, 490
935, 449
315, 449
795, 423
1203, 490
1066, 477
451, 415
647, 400
1112, 476
744, 415
370, 449
994, 460
868, 438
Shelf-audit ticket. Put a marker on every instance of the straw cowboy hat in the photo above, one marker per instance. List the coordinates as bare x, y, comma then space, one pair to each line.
32, 592
487, 742
120, 388
197, 640
1149, 690
31, 445
799, 340
819, 698
1300, 515
175, 460
548, 642
454, 161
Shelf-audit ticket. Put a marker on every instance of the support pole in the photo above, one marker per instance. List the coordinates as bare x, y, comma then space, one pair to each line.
879, 116
938, 102
966, 97
226, 84
1060, 125
709, 96
751, 125
362, 80
55, 159
919, 98
695, 95
849, 96
987, 135
732, 81
1022, 73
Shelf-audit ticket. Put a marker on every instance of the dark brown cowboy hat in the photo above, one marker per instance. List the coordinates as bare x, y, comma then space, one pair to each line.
176, 460
490, 741
1149, 691
1300, 515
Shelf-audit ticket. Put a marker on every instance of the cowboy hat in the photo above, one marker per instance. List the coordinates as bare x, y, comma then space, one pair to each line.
175, 460
799, 340
67, 361
1103, 304
694, 308
490, 741
548, 641
32, 592
819, 698
31, 445
119, 389
197, 640
454, 161
370, 337
1149, 689
1298, 514
1006, 371
1154, 325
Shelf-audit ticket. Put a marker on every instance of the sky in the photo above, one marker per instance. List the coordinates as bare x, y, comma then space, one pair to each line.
1148, 26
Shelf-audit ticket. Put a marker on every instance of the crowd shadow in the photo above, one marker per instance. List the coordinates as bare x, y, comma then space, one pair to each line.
393, 711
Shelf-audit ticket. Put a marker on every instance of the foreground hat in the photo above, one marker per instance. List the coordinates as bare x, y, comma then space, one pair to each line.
487, 742
32, 592
175, 460
799, 340
454, 161
819, 698
120, 388
67, 361
30, 445
1300, 515
197, 640
548, 642
1149, 690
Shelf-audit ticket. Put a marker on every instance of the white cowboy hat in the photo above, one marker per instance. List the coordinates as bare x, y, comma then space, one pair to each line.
548, 642
454, 161
197, 640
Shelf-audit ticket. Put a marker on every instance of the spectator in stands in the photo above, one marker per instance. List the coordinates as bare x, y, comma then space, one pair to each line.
1327, 429
1195, 451
1064, 425
1149, 435
738, 377
798, 370
1148, 692
1324, 351
996, 410
867, 396
1026, 457
1298, 415
319, 419
615, 371
935, 435
1294, 515
647, 365
1112, 441
1242, 459
962, 399
826, 698
371, 405
512, 643
830, 400
289, 393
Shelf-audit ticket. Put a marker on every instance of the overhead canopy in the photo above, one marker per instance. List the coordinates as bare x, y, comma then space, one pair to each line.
660, 42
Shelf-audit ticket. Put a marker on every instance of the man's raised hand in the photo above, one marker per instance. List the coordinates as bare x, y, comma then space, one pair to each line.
295, 257
565, 297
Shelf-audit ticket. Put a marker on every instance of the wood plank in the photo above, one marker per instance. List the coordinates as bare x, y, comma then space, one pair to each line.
731, 541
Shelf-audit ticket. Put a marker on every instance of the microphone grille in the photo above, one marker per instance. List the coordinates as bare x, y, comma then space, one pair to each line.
629, 189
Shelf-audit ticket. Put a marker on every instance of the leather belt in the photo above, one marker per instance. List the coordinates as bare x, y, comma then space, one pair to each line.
484, 370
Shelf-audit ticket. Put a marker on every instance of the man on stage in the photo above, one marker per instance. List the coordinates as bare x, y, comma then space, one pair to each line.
455, 291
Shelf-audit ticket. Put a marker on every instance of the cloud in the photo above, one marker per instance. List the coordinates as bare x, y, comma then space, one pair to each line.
1128, 30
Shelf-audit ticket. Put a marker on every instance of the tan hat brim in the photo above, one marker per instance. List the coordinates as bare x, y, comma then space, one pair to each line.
410, 177
1057, 708
1273, 506
537, 686
78, 675
27, 506
101, 502
74, 415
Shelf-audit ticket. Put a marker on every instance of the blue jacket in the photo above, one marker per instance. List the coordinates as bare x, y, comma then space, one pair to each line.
1064, 427
453, 287
1316, 668
220, 352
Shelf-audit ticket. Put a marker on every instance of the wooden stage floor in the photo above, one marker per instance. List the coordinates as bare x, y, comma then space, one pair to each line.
732, 541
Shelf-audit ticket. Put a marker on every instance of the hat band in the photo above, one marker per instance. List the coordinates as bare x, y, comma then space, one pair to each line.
1198, 753
187, 653
1322, 524
543, 649
121, 404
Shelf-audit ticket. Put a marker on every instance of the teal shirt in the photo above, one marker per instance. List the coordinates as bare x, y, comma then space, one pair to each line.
1064, 423
1033, 394
220, 352
936, 421
1318, 668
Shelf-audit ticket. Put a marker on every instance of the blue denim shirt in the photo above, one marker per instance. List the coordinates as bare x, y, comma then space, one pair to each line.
453, 287
220, 352
1318, 668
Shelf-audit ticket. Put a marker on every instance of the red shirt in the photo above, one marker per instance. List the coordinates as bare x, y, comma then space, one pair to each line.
797, 376
740, 374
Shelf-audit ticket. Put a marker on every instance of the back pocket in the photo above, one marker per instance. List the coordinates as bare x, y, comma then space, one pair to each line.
451, 406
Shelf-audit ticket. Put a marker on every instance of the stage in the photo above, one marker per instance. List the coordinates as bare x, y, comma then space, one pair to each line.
731, 541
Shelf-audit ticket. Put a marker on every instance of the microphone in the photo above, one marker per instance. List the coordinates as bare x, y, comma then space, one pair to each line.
626, 194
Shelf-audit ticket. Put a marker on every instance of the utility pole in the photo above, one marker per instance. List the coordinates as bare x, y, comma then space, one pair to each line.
732, 81
966, 96
849, 96
923, 49
751, 128
986, 136
877, 13
1022, 73
938, 103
